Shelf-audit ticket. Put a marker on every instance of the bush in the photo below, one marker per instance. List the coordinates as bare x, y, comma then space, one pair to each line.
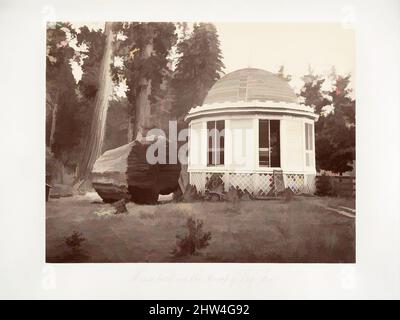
323, 186
233, 195
191, 194
74, 254
75, 240
192, 240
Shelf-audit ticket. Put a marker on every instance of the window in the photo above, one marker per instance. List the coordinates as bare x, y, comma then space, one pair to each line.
242, 88
216, 142
269, 154
309, 145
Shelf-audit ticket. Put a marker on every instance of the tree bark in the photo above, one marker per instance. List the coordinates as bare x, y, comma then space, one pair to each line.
53, 124
143, 107
124, 173
131, 128
95, 139
53, 105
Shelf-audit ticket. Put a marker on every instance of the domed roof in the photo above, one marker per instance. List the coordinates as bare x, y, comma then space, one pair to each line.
249, 85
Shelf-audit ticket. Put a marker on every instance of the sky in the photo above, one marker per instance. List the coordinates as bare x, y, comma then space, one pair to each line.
297, 46
294, 45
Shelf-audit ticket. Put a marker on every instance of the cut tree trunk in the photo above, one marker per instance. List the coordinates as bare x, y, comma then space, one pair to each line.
124, 173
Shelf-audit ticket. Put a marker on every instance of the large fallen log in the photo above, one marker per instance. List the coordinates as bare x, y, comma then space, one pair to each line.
124, 173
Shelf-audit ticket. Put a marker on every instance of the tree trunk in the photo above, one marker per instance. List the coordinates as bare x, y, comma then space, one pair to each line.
53, 124
53, 106
143, 107
124, 173
95, 139
131, 128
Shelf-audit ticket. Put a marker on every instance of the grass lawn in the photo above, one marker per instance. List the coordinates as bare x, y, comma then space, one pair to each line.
249, 231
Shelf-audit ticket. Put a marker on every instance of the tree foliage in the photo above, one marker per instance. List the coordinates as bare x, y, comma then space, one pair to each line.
94, 40
134, 39
199, 66
312, 92
334, 131
74, 101
282, 74
63, 124
91, 60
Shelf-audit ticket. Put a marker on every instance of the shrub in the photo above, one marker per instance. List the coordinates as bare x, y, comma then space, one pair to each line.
233, 195
191, 194
323, 185
193, 239
75, 240
215, 183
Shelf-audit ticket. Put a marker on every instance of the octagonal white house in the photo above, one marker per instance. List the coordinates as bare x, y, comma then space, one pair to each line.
250, 126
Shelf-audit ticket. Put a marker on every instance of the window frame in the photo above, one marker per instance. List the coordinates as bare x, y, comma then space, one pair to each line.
309, 144
214, 149
269, 166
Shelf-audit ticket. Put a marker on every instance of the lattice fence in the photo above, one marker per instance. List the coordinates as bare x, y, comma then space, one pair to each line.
241, 181
295, 182
263, 184
215, 181
198, 180
309, 184
260, 184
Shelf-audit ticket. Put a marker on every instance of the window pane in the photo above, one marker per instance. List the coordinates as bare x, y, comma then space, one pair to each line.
220, 135
216, 142
263, 157
210, 133
220, 139
242, 93
210, 158
310, 133
221, 157
211, 142
220, 125
309, 136
309, 144
275, 143
263, 138
263, 143
306, 135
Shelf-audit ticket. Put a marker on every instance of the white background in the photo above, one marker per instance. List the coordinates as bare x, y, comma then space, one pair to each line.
23, 273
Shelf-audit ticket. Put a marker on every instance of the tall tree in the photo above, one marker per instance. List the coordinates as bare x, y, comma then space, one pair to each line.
62, 123
312, 92
92, 44
58, 72
335, 130
94, 41
116, 124
95, 138
144, 49
199, 66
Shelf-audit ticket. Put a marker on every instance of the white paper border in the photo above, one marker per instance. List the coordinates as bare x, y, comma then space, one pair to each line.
23, 273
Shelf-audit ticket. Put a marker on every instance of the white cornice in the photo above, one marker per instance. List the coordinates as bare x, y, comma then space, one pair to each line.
251, 106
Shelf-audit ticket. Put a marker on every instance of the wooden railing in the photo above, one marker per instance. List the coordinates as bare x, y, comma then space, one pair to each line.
342, 186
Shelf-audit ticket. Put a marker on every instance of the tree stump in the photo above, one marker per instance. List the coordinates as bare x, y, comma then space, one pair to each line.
120, 206
124, 173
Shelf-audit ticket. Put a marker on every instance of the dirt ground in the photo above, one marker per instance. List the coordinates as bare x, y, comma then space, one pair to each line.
300, 230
